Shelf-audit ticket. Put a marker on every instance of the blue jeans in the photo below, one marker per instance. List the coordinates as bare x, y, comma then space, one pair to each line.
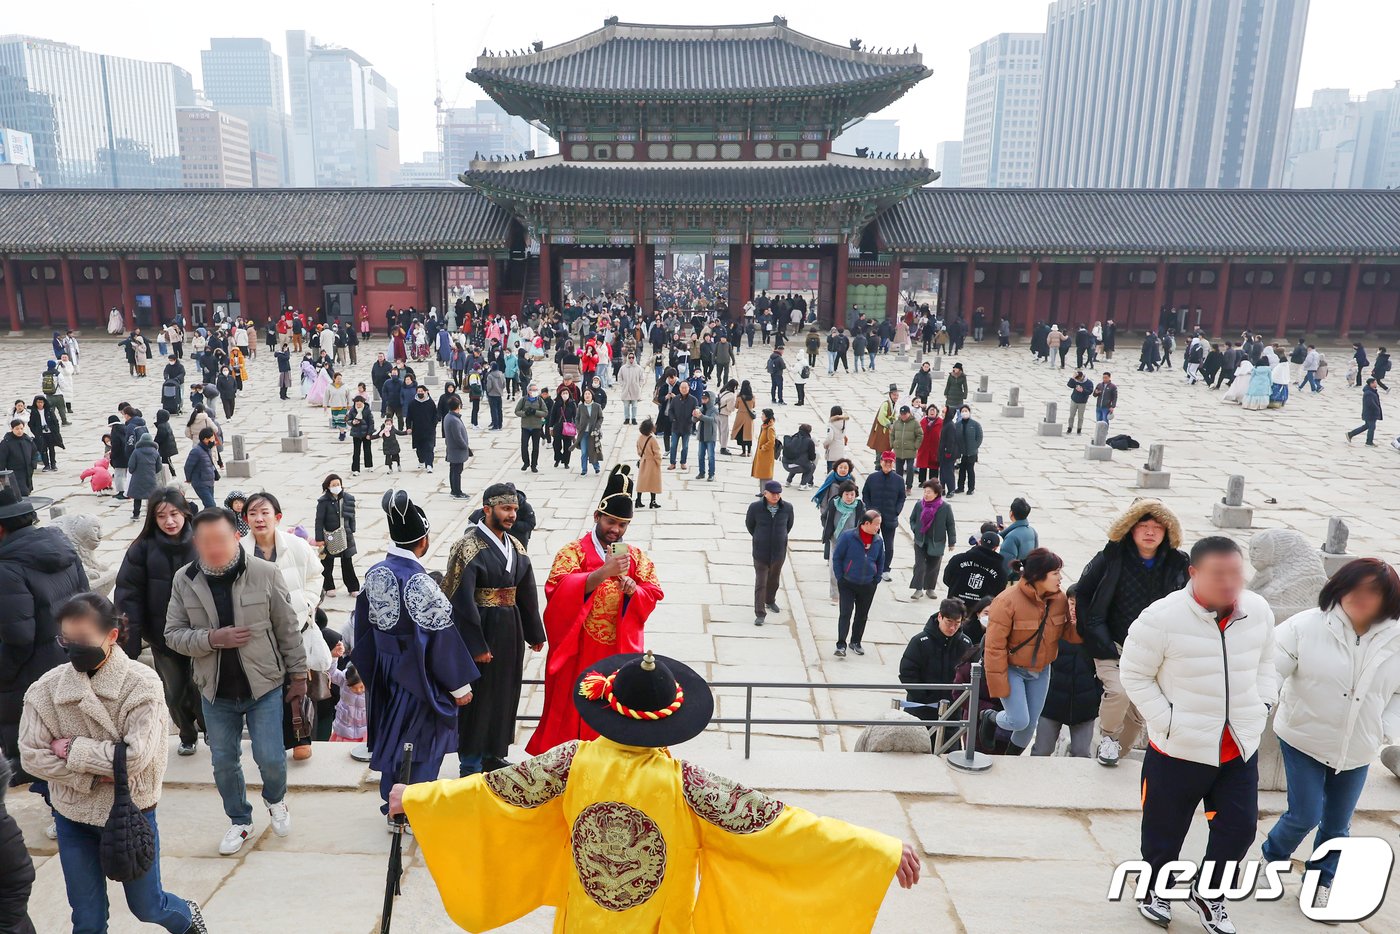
497, 413
205, 492
1317, 797
1103, 415
1021, 708
1310, 379
629, 410
78, 848
872, 358
224, 721
707, 453
583, 455
680, 441
830, 362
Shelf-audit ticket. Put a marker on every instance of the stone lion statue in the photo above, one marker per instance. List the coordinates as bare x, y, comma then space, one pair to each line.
85, 532
1288, 571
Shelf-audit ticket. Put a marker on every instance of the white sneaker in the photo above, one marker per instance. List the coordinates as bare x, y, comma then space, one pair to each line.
234, 839
1156, 909
281, 817
1109, 751
1212, 914
1324, 894
51, 830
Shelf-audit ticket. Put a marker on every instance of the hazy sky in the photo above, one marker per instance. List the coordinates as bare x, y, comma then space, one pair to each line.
1350, 43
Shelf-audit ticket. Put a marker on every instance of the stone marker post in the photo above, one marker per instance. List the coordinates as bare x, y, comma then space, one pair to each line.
431, 379
295, 442
1098, 449
241, 465
938, 363
1231, 512
982, 393
1013, 407
1151, 476
1334, 550
1050, 428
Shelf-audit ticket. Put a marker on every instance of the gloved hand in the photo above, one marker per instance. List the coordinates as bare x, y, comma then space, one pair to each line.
296, 688
230, 637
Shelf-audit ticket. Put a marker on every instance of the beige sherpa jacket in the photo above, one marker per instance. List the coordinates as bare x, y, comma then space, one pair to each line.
122, 700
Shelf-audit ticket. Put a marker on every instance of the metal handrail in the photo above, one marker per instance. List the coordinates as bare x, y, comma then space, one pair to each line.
966, 759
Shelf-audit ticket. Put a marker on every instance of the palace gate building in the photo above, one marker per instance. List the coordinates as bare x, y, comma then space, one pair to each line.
716, 141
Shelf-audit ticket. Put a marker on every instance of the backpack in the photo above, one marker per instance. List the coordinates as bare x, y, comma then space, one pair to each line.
1122, 443
50, 382
806, 372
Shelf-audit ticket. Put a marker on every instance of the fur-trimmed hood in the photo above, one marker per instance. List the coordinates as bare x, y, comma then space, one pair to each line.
1140, 508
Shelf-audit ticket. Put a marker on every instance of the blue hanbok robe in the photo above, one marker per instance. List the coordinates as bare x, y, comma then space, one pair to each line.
412, 659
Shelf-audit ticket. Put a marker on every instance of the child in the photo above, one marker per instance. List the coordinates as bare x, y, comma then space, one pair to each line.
100, 473
391, 446
351, 721
235, 502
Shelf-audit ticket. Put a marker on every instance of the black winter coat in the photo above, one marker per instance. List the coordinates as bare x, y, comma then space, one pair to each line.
16, 868
39, 571
933, 658
143, 586
884, 493
1075, 690
165, 439
328, 518
1370, 405
17, 454
37, 421
421, 418
1098, 583
976, 574
769, 530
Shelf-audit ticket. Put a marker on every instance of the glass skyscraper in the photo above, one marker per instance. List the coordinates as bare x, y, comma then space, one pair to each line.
243, 77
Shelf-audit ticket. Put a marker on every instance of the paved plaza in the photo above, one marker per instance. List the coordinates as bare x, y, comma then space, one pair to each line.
1029, 845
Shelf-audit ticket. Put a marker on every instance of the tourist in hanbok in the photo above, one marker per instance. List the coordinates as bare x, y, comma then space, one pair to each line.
1256, 394
1243, 372
308, 375
399, 342
1278, 392
115, 324
338, 401
320, 386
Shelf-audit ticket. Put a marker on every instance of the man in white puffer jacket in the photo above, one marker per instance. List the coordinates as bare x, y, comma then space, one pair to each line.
1198, 664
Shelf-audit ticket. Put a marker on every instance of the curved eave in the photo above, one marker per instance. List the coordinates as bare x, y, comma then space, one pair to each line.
542, 91
510, 196
1134, 252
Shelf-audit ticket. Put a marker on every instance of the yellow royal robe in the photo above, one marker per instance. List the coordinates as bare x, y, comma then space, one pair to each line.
615, 838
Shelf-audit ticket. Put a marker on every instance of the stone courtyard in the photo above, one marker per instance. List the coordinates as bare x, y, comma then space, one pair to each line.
1029, 845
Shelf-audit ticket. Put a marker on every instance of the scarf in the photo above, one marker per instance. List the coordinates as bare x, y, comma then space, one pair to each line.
843, 511
927, 513
231, 569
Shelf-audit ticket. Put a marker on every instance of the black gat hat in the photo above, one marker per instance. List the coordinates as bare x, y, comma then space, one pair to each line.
644, 699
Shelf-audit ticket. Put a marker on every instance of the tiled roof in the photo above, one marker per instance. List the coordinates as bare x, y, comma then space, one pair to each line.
676, 61
250, 220
817, 182
1145, 222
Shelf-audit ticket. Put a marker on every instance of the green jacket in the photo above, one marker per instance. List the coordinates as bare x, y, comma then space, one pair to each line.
905, 437
532, 412
941, 533
955, 390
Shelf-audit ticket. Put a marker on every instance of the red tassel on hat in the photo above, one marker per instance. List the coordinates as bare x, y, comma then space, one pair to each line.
594, 685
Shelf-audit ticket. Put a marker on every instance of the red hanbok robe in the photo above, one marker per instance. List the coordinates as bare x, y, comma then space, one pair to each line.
582, 630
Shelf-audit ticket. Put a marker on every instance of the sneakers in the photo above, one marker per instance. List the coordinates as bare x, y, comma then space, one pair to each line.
1212, 914
1156, 909
361, 753
758, 620
916, 595
51, 830
857, 648
197, 923
185, 749
1109, 750
840, 652
1324, 894
773, 608
234, 839
281, 817
929, 594
886, 577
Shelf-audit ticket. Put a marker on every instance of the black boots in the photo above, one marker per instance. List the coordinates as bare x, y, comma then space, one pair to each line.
653, 504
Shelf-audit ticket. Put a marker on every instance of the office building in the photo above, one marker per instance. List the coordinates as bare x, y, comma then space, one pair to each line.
243, 78
872, 135
1343, 142
214, 149
947, 159
17, 160
1168, 93
427, 172
345, 117
98, 121
1001, 122
482, 131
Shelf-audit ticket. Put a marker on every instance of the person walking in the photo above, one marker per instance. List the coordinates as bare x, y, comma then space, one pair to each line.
44, 426
1081, 390
144, 473
1311, 364
590, 434
955, 388
933, 657
1141, 564
631, 380
458, 448
648, 463
1025, 624
1370, 413
422, 420
216, 604
969, 432
857, 560
1339, 671
199, 467
775, 366
335, 530
839, 514
934, 531
744, 419
979, 573
769, 520
707, 434
494, 385
834, 444
1199, 665
905, 438
765, 453
360, 421
533, 411
563, 426
884, 493
101, 718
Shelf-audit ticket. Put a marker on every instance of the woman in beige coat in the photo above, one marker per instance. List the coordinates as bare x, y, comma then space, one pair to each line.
765, 452
648, 463
74, 718
744, 420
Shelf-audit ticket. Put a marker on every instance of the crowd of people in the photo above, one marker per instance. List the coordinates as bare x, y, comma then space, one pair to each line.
229, 604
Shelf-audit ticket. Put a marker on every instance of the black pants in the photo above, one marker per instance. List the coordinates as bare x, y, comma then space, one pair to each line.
530, 448
841, 362
775, 391
476, 410
454, 478
563, 449
855, 597
181, 696
904, 466
967, 474
347, 572
801, 393
887, 529
49, 452
807, 471
721, 374
358, 445
811, 362
767, 576
497, 418
396, 413
228, 406
1171, 791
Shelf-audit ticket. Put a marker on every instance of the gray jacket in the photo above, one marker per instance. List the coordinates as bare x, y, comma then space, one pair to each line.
494, 383
261, 603
458, 448
589, 419
708, 426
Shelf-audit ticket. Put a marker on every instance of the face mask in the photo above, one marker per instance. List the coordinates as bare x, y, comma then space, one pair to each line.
86, 658
335, 490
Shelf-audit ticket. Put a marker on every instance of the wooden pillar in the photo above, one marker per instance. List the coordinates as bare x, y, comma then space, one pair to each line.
969, 287
1096, 293
840, 308
1286, 302
1310, 323
11, 269
546, 273
639, 274
70, 301
361, 283
1222, 298
1159, 293
710, 266
745, 273
1348, 298
301, 282
492, 272
893, 306
668, 264
182, 284
240, 281
127, 299
1032, 284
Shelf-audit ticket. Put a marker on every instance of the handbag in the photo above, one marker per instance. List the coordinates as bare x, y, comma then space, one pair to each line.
337, 539
127, 848
568, 429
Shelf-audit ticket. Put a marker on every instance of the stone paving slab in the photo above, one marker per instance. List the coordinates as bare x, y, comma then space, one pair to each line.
193, 878
953, 828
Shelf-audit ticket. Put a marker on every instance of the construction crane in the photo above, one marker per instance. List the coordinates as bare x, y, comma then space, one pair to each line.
441, 112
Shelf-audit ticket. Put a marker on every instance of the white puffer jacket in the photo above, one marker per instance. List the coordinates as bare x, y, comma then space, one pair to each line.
301, 571
1340, 695
1190, 680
